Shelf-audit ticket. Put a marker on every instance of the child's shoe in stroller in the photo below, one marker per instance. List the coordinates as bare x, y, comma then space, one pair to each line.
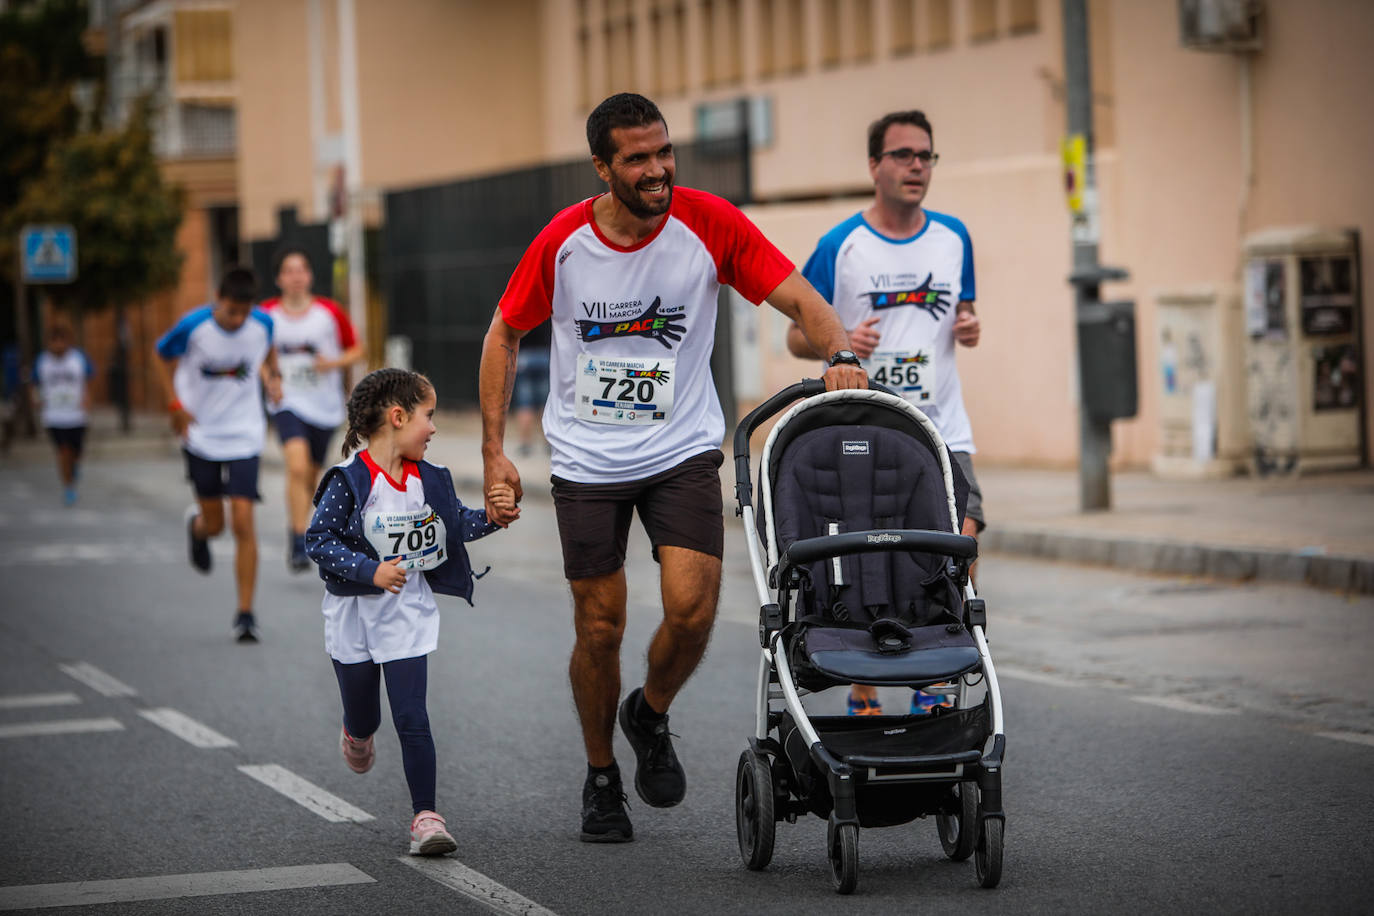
604, 818
659, 777
428, 836
864, 706
922, 703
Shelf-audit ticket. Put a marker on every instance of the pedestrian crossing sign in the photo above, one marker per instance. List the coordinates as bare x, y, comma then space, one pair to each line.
48, 253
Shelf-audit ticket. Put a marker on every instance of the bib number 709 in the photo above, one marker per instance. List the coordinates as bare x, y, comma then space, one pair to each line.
413, 540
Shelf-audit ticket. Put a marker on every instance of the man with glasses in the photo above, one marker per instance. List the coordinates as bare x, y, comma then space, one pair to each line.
901, 279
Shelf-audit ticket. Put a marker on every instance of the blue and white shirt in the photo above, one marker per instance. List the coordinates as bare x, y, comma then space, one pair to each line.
62, 387
914, 286
217, 382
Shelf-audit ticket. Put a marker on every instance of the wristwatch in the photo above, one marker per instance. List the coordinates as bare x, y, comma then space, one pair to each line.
844, 356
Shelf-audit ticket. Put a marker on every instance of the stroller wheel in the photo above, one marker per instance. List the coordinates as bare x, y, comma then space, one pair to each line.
959, 832
987, 859
754, 820
843, 852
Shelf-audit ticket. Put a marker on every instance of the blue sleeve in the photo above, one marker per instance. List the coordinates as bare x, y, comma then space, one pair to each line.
475, 522
90, 366
968, 291
266, 320
172, 345
323, 541
820, 268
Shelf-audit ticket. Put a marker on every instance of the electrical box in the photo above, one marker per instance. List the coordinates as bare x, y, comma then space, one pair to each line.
1303, 363
1106, 346
1200, 378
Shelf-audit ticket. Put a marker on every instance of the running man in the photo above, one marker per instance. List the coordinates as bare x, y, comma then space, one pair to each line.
61, 374
315, 341
210, 363
629, 280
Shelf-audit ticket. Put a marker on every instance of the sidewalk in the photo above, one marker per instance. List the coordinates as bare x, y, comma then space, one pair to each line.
1317, 530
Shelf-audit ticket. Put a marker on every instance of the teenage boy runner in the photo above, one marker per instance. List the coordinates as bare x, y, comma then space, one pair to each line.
210, 365
60, 375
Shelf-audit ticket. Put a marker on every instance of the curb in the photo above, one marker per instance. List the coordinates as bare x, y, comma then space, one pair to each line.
1352, 575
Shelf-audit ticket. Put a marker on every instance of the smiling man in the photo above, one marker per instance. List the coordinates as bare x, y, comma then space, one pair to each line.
629, 280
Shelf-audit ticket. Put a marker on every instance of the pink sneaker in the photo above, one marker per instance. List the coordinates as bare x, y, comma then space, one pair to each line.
357, 754
428, 836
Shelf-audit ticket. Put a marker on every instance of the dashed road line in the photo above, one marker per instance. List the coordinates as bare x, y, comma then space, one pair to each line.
30, 700
476, 886
167, 887
305, 793
1036, 677
60, 727
102, 683
1352, 737
1180, 705
186, 728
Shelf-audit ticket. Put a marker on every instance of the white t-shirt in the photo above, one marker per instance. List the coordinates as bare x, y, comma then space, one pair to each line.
633, 329
320, 329
62, 387
914, 286
217, 381
382, 628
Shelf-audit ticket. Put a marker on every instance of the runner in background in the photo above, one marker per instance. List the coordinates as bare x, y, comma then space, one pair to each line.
60, 375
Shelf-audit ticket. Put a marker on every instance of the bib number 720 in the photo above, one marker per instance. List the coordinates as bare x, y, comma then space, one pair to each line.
629, 390
412, 540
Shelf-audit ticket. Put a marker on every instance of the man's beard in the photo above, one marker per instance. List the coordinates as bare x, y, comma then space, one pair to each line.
629, 196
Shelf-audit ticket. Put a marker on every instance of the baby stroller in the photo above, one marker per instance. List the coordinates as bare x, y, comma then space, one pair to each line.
863, 578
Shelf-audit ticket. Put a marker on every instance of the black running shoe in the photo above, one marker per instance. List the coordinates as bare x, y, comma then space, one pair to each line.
245, 627
604, 818
298, 561
199, 548
659, 778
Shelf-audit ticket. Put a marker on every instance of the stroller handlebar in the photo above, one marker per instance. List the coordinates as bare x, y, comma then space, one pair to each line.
944, 543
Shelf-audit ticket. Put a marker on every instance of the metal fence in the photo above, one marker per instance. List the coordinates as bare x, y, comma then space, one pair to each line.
448, 249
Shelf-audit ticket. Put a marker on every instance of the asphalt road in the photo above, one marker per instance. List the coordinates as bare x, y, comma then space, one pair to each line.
1172, 745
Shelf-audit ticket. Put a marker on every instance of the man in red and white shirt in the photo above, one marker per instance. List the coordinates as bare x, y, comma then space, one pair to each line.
315, 341
629, 280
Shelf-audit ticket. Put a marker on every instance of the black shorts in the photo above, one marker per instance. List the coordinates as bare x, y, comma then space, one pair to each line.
72, 437
679, 507
290, 426
213, 479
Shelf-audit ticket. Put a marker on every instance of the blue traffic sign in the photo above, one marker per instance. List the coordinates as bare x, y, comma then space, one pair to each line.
49, 253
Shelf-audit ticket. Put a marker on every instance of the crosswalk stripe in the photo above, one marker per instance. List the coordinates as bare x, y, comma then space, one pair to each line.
1352, 737
1035, 677
59, 727
1180, 705
30, 700
186, 728
476, 886
102, 683
165, 887
305, 793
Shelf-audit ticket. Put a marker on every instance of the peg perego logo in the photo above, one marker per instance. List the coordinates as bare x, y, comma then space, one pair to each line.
884, 539
854, 448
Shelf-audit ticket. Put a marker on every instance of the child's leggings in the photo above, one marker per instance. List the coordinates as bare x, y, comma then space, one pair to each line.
406, 680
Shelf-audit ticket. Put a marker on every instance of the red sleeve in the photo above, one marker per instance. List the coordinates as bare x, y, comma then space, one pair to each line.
347, 336
528, 299
269, 304
744, 258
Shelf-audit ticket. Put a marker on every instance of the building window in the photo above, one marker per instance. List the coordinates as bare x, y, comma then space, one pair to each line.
767, 49
732, 68
709, 51
901, 25
830, 33
1025, 17
939, 24
584, 68
983, 20
796, 36
862, 44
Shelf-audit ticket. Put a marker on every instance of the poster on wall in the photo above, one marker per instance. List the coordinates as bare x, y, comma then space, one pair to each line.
1336, 385
1327, 294
1264, 299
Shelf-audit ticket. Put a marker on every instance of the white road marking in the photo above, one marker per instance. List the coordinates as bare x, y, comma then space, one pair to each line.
1181, 705
29, 700
103, 554
1352, 737
306, 794
475, 886
98, 680
166, 887
186, 728
1037, 677
60, 727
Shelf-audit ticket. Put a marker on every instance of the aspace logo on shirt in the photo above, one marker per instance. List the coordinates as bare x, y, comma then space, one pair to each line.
652, 323
934, 301
286, 349
237, 372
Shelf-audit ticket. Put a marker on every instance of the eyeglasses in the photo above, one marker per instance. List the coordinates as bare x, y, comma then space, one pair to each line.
906, 155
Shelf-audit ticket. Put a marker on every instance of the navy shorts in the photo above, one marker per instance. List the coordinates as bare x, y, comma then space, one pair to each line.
290, 426
680, 507
72, 437
213, 479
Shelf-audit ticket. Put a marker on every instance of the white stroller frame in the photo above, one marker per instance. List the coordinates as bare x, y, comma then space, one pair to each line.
975, 829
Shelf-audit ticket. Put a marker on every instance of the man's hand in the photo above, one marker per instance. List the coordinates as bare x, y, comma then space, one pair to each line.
863, 340
497, 473
390, 576
845, 375
967, 327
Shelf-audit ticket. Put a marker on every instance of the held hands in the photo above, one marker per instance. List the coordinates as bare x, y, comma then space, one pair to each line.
501, 497
500, 475
863, 340
390, 576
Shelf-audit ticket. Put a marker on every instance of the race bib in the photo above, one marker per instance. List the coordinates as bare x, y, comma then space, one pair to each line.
625, 389
62, 398
418, 537
909, 373
298, 369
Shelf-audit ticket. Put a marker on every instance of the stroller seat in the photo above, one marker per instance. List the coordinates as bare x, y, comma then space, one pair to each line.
914, 657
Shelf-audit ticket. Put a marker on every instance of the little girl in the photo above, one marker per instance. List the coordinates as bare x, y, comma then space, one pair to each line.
388, 533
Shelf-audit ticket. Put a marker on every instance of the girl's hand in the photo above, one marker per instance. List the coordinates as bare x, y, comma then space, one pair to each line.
502, 498
390, 576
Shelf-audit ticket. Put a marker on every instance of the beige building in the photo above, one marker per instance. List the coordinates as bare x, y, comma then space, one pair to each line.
1197, 151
